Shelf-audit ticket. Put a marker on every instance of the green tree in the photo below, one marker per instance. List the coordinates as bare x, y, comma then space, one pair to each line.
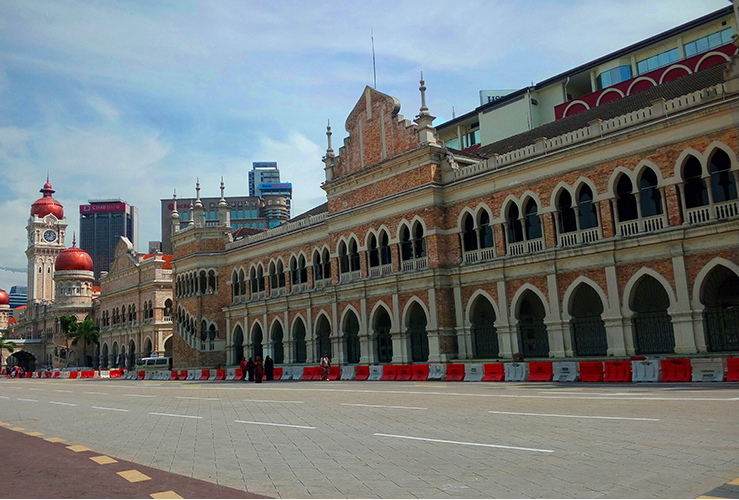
6, 344
89, 333
69, 326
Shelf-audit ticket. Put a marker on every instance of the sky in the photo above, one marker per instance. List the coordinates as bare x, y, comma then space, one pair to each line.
136, 99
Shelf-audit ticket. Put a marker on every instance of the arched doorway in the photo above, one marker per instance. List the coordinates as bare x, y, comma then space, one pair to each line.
104, 359
532, 332
256, 341
131, 354
238, 345
277, 348
484, 334
720, 296
417, 334
651, 324
24, 359
147, 349
168, 347
383, 337
586, 326
351, 338
323, 337
301, 349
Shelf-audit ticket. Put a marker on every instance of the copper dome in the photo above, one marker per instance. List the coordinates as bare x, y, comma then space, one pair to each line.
47, 205
73, 259
4, 298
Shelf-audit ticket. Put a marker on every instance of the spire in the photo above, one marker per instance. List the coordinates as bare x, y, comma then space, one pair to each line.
175, 213
330, 150
422, 88
223, 199
224, 214
74, 239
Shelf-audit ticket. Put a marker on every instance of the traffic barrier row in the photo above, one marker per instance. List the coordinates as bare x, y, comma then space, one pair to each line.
636, 370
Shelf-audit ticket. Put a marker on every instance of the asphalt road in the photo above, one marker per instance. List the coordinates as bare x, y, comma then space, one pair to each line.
399, 439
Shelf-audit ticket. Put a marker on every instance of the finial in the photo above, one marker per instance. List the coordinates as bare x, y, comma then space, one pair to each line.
328, 135
197, 187
422, 88
175, 198
74, 239
222, 187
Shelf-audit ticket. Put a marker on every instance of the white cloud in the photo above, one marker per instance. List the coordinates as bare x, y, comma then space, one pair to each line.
10, 278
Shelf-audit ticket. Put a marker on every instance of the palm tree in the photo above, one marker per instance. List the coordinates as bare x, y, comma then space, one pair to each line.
89, 333
6, 344
69, 326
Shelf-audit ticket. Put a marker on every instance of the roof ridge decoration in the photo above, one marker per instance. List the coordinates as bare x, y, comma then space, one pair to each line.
376, 132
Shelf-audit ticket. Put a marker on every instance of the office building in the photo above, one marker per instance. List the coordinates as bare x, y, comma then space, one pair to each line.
102, 223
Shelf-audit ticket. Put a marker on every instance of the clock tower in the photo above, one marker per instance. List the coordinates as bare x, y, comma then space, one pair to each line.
46, 228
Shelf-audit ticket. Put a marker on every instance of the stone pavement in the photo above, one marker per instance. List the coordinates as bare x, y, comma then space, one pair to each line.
36, 466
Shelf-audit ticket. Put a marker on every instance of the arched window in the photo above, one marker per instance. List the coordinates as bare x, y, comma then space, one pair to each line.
234, 285
567, 217
260, 278
515, 230
486, 232
212, 282
533, 223
723, 183
353, 256
406, 245
294, 274
469, 235
272, 276
326, 262
303, 269
385, 252
650, 199
317, 267
168, 309
696, 194
373, 252
343, 258
242, 283
588, 212
280, 269
203, 282
253, 280
419, 242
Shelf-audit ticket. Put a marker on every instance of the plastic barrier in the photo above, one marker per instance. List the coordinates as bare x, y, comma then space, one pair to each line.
220, 375
676, 370
403, 372
707, 371
334, 373
296, 373
645, 371
516, 372
375, 372
174, 375
104, 373
29, 374
193, 375
141, 375
287, 373
473, 372
541, 371
277, 374
308, 373
348, 372
212, 374
389, 372
38, 374
437, 372
73, 374
57, 375
419, 372
494, 372
564, 371
617, 371
591, 371
149, 375
182, 375
363, 373
317, 373
732, 372
454, 372
48, 374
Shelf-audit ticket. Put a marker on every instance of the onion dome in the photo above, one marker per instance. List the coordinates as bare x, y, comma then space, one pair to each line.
47, 205
4, 298
73, 259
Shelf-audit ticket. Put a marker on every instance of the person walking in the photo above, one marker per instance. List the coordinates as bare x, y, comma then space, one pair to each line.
269, 368
258, 370
250, 370
242, 366
325, 366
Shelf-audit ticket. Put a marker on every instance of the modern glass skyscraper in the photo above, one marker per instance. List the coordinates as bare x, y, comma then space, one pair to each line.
102, 222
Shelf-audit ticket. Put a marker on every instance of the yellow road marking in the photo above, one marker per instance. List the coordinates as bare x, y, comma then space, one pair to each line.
165, 494
735, 482
133, 476
704, 496
78, 447
16, 428
102, 460
4, 423
35, 433
55, 440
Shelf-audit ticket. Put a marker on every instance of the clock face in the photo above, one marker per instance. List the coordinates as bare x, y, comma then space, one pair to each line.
49, 235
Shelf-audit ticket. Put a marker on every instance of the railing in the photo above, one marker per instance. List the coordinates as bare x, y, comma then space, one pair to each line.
415, 264
375, 272
257, 296
349, 277
516, 248
212, 345
654, 223
629, 228
536, 245
276, 292
479, 255
299, 287
386, 269
279, 230
699, 215
726, 209
318, 284
573, 238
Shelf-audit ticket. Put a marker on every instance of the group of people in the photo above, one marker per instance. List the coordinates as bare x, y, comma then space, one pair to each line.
256, 371
15, 372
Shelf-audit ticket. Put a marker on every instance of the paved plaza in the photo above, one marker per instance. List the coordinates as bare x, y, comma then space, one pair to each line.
399, 439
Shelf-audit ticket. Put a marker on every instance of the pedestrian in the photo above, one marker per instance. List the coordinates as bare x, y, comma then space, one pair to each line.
269, 368
242, 366
250, 369
325, 366
258, 370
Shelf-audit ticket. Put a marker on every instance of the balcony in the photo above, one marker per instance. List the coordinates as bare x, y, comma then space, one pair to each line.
583, 236
645, 225
415, 264
383, 270
350, 277
480, 255
299, 287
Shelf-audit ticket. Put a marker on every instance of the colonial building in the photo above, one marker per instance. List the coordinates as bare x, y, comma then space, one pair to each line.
608, 233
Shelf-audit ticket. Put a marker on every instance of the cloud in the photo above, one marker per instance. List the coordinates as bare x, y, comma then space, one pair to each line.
10, 278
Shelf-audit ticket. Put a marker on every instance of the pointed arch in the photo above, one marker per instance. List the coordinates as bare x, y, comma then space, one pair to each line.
616, 176
631, 283
700, 279
568, 295
475, 295
409, 303
516, 301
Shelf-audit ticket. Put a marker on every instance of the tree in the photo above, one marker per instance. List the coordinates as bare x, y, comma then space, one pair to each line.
6, 344
69, 326
89, 333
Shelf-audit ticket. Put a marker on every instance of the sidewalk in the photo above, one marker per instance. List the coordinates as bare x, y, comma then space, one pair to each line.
44, 467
